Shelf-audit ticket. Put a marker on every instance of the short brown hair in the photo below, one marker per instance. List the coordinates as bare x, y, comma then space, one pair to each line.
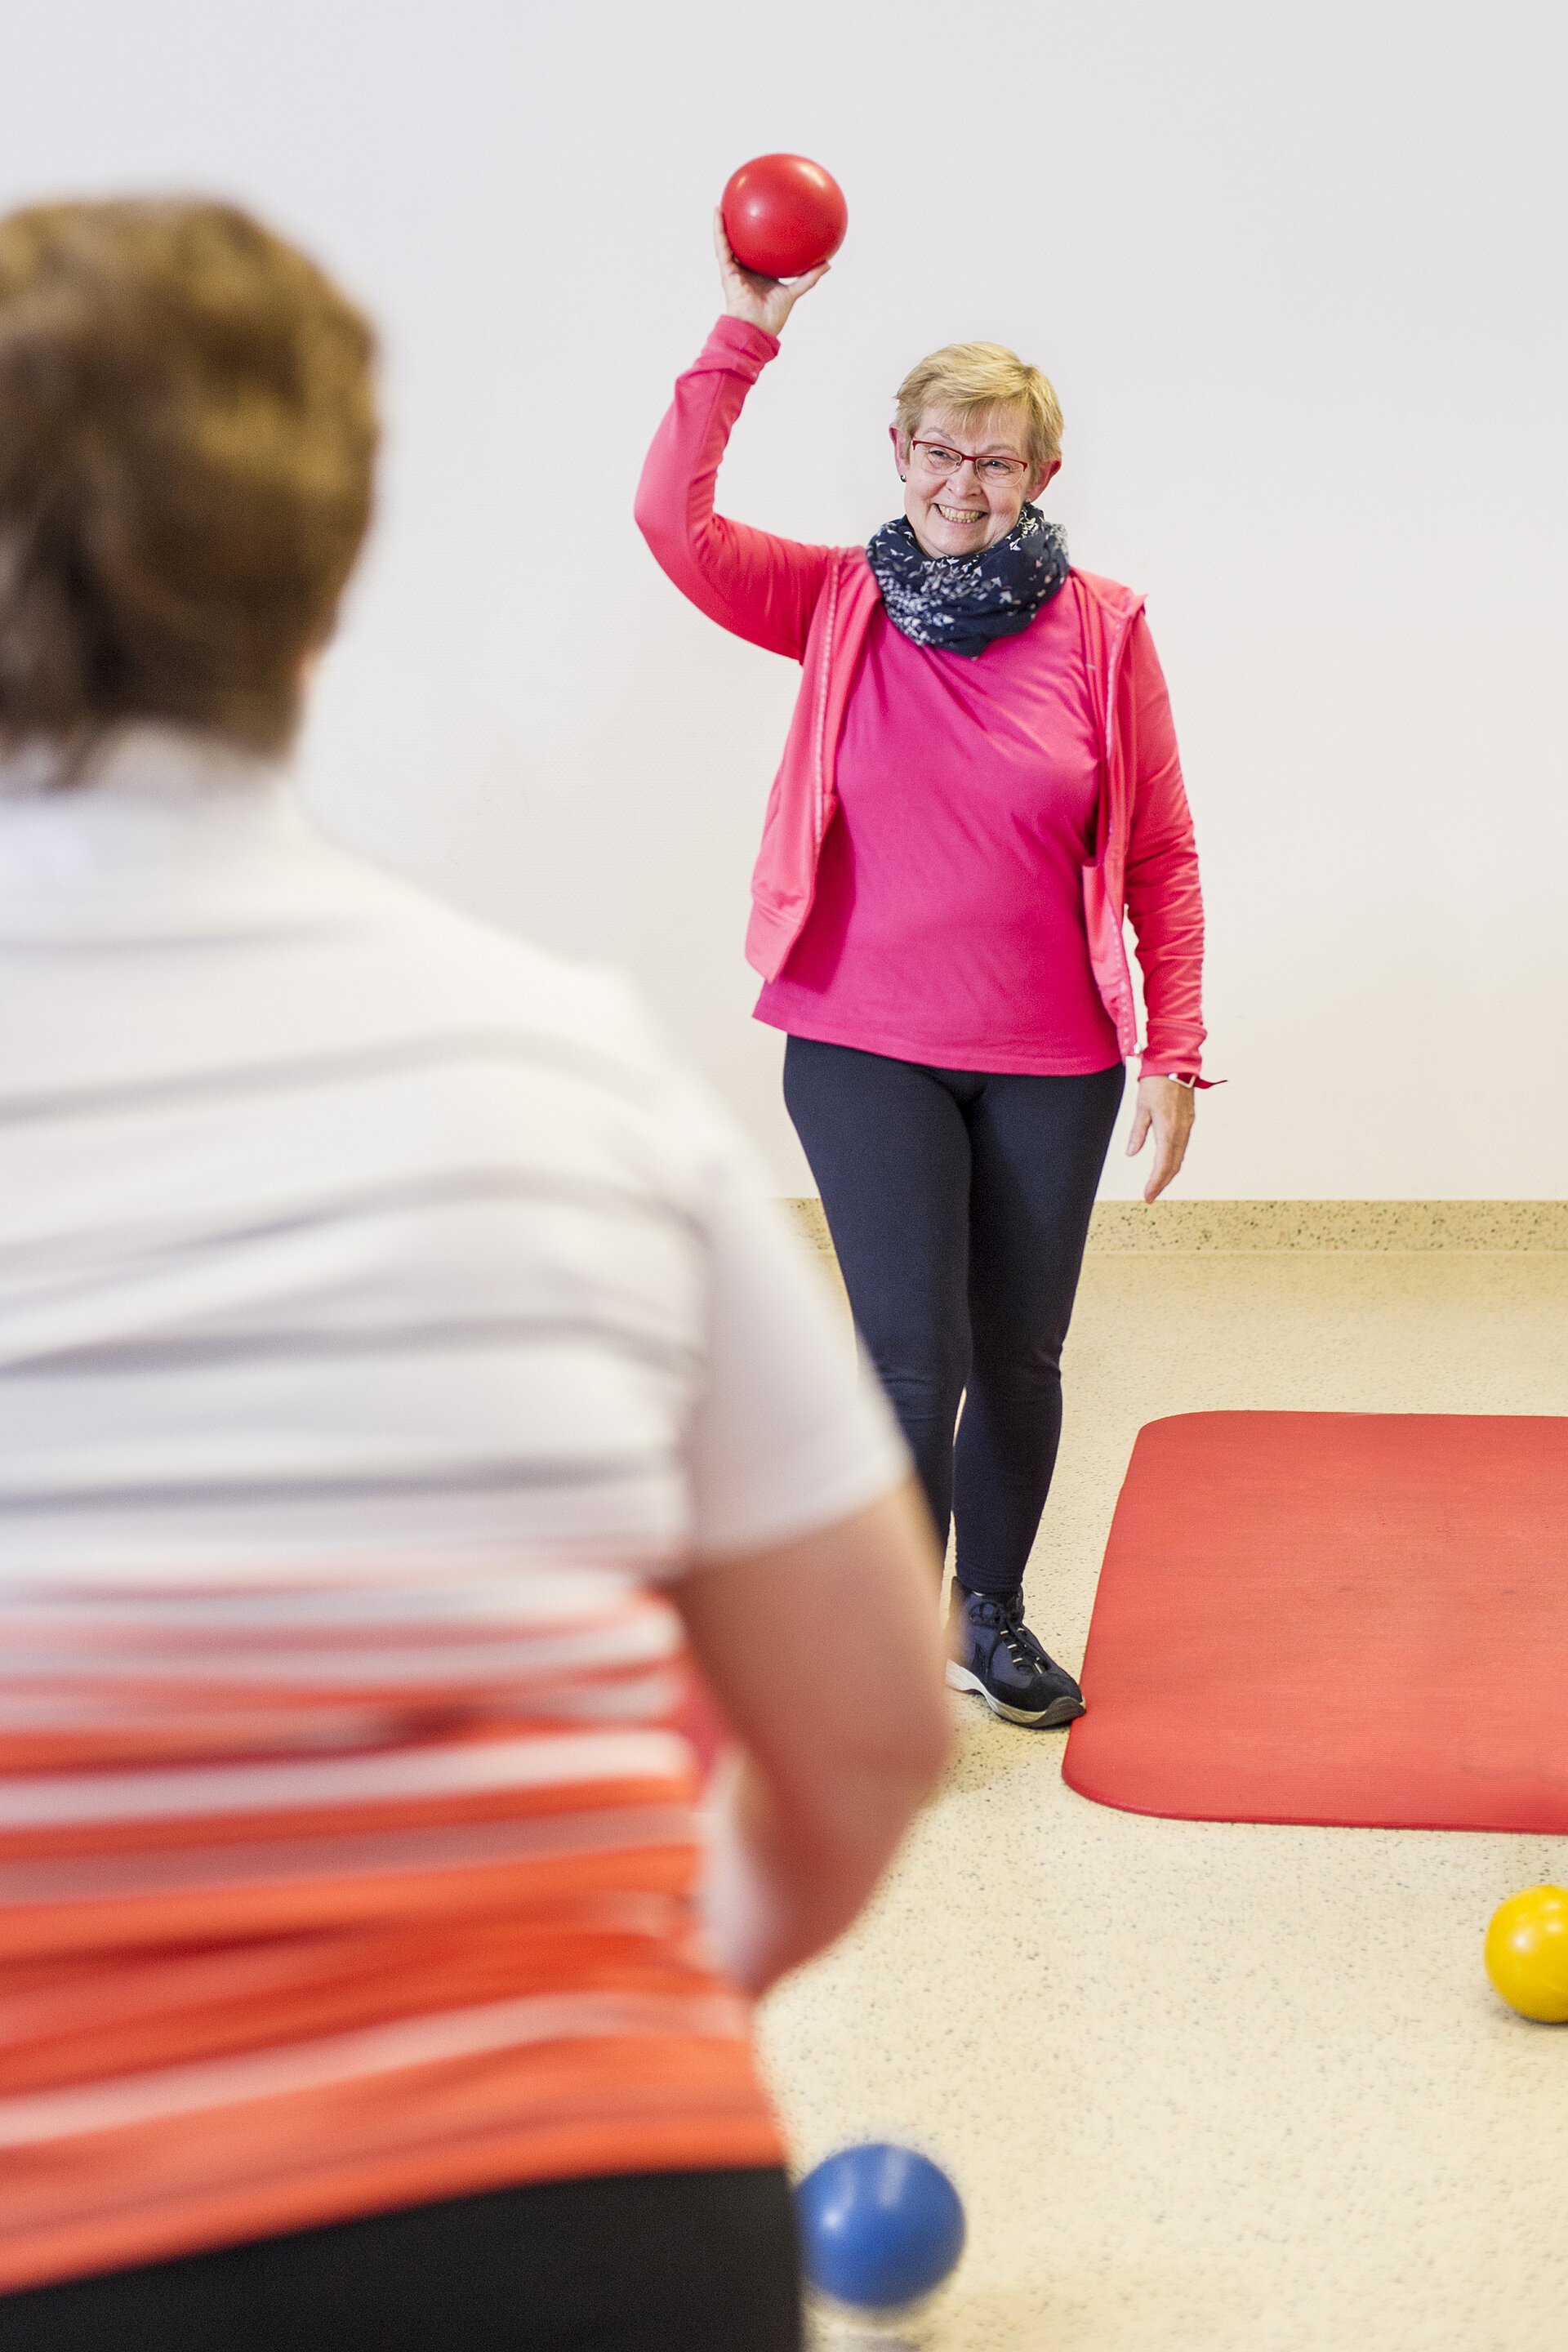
187, 444
971, 381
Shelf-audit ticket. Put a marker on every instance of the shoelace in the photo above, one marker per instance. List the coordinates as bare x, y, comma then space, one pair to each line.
1024, 1648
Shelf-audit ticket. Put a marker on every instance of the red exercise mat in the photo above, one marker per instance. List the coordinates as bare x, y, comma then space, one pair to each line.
1334, 1617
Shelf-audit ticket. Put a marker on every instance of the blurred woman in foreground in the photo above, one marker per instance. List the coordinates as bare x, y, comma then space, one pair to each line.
399, 1370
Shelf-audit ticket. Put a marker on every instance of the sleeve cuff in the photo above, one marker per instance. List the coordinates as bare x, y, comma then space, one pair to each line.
1174, 1066
830, 1476
738, 348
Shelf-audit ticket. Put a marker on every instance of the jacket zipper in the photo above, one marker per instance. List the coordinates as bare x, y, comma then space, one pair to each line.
825, 674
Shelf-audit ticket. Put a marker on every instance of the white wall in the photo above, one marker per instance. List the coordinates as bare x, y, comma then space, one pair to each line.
1298, 274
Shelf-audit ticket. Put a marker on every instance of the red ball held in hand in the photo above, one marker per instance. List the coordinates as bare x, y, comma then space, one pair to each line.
783, 216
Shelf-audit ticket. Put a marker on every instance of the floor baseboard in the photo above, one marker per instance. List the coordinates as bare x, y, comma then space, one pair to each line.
1124, 1227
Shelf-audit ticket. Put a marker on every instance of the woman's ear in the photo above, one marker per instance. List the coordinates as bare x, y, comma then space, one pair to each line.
900, 451
1045, 476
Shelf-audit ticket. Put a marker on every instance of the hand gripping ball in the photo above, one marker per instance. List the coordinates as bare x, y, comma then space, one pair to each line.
783, 216
879, 2226
1526, 1953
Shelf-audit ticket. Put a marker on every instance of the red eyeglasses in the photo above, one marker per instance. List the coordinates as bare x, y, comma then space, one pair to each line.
943, 460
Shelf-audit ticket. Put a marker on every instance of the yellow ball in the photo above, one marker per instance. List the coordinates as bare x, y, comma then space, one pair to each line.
1526, 1953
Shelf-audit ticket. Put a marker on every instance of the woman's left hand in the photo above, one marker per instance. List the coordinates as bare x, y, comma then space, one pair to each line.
1166, 1106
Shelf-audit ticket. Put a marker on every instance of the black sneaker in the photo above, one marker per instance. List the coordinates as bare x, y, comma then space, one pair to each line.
992, 1650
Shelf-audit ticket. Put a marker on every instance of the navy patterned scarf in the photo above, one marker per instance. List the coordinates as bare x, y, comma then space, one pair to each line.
960, 602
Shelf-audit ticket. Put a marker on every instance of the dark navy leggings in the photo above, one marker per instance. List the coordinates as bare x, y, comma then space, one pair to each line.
959, 1204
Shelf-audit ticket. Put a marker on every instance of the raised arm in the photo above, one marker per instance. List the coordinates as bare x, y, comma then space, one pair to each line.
760, 587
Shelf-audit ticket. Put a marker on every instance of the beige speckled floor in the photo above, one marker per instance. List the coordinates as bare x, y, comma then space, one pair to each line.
1206, 2087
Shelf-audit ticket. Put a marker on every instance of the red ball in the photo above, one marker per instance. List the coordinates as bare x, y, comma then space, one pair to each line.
783, 216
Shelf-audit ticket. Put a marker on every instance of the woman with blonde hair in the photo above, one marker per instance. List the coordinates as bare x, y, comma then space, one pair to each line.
400, 1378
980, 781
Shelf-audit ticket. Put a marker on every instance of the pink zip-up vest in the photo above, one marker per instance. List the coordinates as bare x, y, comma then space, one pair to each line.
814, 604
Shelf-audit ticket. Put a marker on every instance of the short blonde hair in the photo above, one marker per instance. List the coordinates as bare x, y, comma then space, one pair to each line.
187, 441
971, 381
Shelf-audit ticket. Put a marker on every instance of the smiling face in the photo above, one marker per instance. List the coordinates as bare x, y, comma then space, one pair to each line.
974, 505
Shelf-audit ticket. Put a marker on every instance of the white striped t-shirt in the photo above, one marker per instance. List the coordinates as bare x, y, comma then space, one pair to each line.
383, 1317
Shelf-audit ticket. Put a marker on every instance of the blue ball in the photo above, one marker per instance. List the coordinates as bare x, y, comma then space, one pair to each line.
879, 2226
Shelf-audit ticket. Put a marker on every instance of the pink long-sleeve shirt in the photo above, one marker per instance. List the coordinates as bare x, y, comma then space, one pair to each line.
948, 923
818, 606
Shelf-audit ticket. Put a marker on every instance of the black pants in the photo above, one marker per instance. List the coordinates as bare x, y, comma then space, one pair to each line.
959, 1204
664, 2261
